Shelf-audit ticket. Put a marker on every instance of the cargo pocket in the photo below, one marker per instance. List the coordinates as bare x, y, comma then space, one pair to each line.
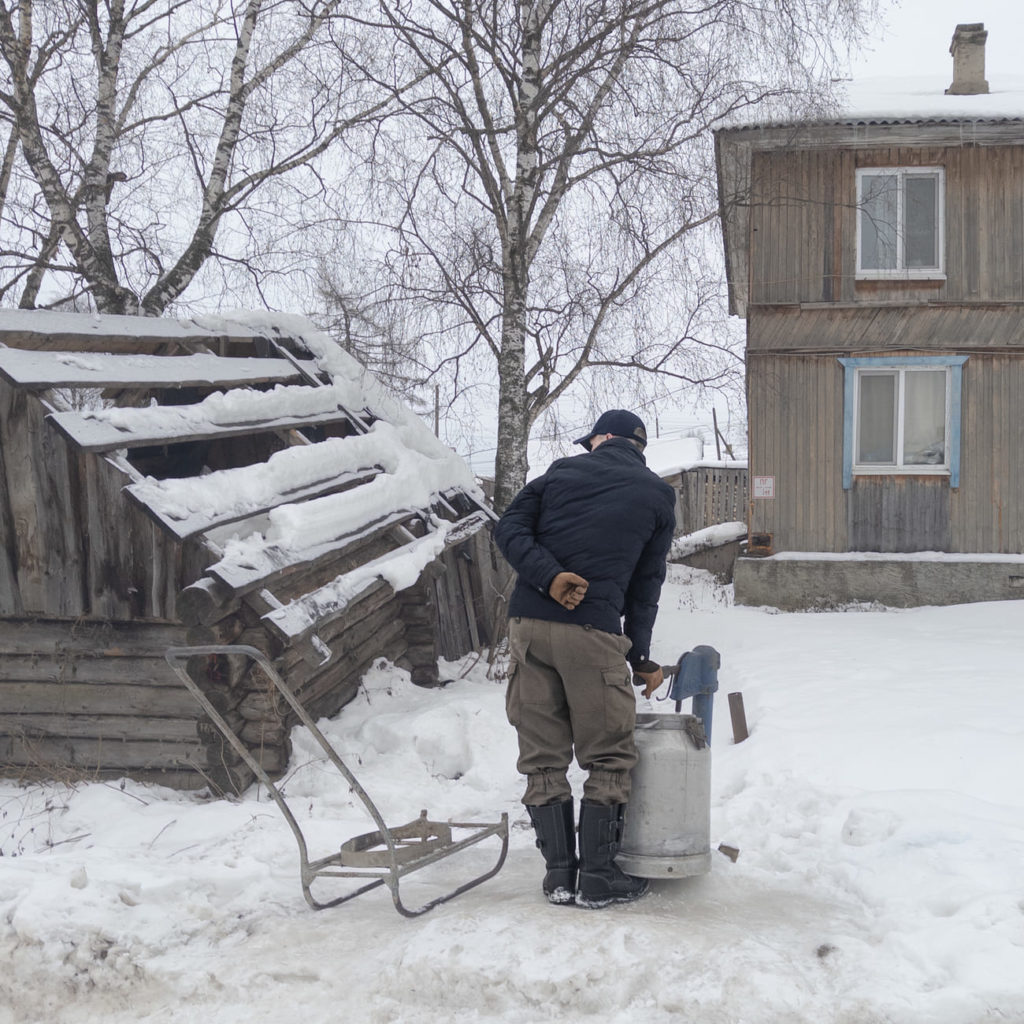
513, 699
513, 692
619, 702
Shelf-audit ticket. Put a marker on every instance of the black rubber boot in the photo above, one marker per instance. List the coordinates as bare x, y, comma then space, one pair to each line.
601, 880
555, 826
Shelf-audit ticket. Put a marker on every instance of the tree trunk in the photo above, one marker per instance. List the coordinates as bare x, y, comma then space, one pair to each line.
510, 462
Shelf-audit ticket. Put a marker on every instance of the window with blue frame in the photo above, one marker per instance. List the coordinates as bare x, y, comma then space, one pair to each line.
902, 416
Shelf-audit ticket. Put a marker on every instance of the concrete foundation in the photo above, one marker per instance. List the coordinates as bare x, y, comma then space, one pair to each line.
719, 560
798, 582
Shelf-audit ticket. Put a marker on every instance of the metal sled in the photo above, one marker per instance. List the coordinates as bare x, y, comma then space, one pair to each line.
384, 856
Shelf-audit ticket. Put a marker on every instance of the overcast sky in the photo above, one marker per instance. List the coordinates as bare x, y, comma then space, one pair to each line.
915, 37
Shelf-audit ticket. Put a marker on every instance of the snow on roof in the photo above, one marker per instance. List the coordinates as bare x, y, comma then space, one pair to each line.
301, 501
358, 389
30, 368
924, 99
104, 325
911, 100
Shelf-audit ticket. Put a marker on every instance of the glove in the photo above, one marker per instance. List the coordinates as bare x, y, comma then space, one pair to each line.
568, 589
648, 674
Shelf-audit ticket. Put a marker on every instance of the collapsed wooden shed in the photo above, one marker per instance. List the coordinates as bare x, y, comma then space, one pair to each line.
166, 483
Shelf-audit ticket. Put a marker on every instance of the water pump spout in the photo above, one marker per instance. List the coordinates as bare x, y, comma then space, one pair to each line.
695, 675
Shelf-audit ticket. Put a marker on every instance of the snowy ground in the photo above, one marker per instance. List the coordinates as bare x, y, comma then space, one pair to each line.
877, 806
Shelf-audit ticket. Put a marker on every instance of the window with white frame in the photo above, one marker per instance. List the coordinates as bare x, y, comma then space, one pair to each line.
900, 213
902, 416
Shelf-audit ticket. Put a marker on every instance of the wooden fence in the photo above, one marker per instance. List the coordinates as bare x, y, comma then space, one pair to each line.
709, 495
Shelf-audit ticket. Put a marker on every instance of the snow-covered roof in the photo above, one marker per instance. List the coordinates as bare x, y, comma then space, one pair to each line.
371, 468
911, 100
889, 100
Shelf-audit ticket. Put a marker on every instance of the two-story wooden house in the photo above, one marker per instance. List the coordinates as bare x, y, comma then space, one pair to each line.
878, 258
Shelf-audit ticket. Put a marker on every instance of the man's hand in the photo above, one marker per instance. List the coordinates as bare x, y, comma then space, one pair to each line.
568, 589
649, 676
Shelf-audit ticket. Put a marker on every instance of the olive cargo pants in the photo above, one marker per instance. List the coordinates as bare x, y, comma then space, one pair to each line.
570, 688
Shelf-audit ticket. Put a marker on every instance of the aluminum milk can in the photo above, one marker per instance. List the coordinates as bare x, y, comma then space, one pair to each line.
667, 832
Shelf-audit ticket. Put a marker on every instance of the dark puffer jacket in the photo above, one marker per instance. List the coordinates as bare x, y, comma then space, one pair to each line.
604, 516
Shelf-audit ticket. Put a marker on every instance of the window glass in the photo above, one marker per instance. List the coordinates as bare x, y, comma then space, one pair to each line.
902, 417
876, 417
924, 418
920, 216
879, 219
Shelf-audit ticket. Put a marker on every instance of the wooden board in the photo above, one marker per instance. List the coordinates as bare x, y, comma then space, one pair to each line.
194, 523
264, 567
84, 638
100, 698
42, 498
87, 754
96, 435
10, 594
43, 370
69, 667
98, 727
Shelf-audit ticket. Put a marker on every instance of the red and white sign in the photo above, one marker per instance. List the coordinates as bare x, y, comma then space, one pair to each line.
764, 487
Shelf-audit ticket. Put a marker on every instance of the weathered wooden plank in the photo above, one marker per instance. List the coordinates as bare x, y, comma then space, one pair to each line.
184, 779
287, 571
469, 599
19, 696
99, 435
65, 666
10, 593
845, 330
369, 632
374, 610
43, 510
116, 574
194, 522
97, 754
84, 637
98, 727
45, 329
43, 370
387, 643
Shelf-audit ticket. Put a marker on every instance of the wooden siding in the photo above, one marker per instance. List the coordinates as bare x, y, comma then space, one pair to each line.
64, 551
45, 560
802, 225
795, 414
899, 513
987, 511
849, 330
796, 435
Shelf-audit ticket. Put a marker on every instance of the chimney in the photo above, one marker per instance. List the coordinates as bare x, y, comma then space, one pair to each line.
968, 50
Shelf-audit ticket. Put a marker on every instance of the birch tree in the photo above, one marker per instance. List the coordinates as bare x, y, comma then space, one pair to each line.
153, 135
555, 183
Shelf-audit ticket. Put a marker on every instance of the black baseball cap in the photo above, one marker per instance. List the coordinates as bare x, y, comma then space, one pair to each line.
619, 422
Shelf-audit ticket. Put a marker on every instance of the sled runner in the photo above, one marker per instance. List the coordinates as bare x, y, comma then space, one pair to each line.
384, 856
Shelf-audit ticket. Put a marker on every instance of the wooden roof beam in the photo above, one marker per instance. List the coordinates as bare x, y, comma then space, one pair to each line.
41, 370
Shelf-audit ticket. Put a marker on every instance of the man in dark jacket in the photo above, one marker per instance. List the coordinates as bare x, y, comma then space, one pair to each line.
588, 540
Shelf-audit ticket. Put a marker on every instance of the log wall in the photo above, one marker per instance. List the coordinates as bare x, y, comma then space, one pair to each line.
83, 699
